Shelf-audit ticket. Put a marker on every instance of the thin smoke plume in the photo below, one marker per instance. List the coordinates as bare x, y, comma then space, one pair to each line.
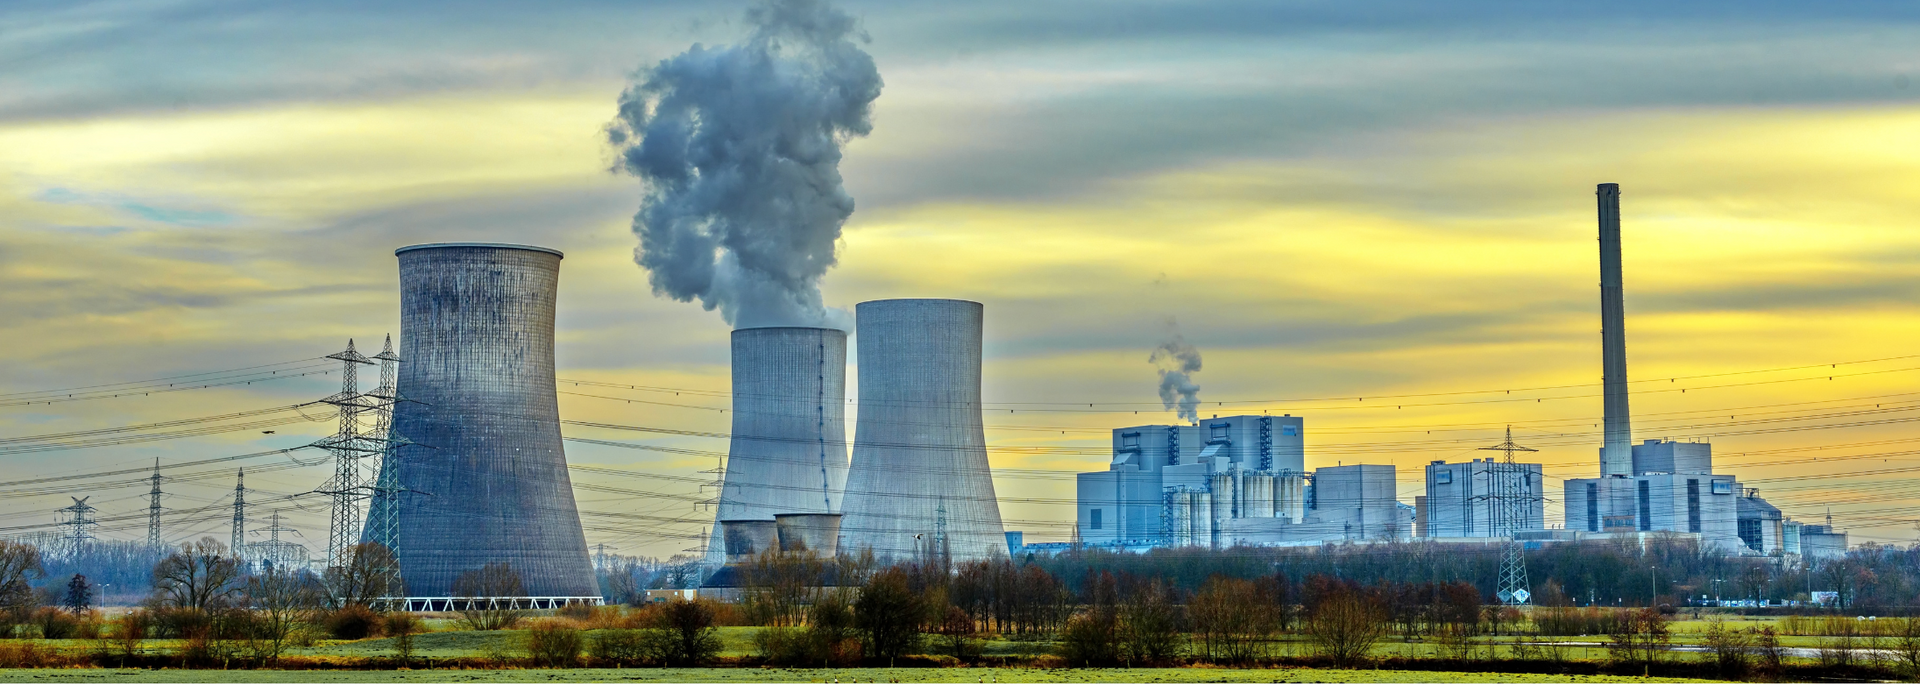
740, 149
1177, 361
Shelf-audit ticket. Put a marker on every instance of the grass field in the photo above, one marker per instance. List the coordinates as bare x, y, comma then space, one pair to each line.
796, 675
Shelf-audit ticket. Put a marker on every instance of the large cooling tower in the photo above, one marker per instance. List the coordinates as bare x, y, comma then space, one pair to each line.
486, 475
789, 448
920, 468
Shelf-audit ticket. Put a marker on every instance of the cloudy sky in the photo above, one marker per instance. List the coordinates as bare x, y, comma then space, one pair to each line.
1331, 200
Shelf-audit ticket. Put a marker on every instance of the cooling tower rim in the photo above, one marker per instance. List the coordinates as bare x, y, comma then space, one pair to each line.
486, 245
778, 516
918, 299
808, 328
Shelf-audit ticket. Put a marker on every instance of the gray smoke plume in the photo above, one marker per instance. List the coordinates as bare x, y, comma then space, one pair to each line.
740, 148
1177, 361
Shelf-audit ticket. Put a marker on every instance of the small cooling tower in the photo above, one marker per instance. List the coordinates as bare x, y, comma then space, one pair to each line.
920, 477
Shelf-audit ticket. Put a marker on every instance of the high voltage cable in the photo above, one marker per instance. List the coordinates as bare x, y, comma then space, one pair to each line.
156, 381
157, 389
1670, 380
149, 426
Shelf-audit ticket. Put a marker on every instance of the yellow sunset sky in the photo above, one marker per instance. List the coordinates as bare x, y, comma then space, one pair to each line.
1330, 204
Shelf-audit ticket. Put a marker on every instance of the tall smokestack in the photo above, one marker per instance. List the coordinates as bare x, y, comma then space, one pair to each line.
1616, 452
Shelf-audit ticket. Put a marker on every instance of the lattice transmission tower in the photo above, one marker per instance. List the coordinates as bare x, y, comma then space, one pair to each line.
347, 446
79, 523
239, 512
153, 508
383, 514
1511, 504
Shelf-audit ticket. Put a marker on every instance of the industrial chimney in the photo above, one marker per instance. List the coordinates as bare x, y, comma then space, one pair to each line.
485, 474
789, 447
920, 482
1616, 451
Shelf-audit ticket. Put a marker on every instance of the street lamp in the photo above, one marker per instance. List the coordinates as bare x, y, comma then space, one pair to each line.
1653, 585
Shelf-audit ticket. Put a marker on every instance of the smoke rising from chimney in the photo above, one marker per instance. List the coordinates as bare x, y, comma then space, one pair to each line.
740, 149
1177, 361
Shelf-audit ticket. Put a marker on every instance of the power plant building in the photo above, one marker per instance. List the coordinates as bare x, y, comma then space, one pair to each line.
1238, 480
920, 483
1472, 499
485, 475
788, 453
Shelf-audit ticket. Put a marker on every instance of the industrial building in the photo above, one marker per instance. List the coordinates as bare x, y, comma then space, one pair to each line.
1656, 485
1473, 499
484, 473
788, 452
1230, 481
919, 483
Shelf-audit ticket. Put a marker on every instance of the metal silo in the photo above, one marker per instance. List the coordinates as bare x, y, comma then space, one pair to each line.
789, 448
920, 476
485, 477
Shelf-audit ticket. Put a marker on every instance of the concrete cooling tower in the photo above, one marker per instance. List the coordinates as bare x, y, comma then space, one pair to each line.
920, 482
486, 476
789, 447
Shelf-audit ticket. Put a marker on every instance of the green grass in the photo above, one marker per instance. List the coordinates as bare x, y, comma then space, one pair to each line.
800, 675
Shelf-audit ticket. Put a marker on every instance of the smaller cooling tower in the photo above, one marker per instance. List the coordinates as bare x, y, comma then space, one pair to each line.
745, 539
919, 454
816, 532
789, 447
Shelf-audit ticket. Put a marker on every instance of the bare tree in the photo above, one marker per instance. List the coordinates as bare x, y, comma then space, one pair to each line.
201, 576
489, 596
19, 565
1149, 624
371, 573
780, 585
1345, 626
1729, 650
1235, 618
282, 601
1641, 639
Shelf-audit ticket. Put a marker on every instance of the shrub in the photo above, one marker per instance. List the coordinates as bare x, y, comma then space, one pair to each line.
55, 623
351, 622
782, 646
402, 625
1088, 639
579, 612
554, 643
623, 646
683, 633
23, 655
129, 632
90, 627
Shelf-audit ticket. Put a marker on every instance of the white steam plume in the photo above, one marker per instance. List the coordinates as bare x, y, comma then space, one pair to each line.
740, 148
1177, 361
